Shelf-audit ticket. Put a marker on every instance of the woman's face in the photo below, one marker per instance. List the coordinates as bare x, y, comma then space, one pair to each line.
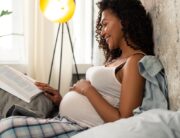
111, 29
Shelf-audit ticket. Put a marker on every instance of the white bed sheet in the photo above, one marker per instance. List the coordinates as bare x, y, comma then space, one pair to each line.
156, 123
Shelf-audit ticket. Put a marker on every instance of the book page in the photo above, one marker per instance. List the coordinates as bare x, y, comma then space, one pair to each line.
17, 83
24, 76
13, 92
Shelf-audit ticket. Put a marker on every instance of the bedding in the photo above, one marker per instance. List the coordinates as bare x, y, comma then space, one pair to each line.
40, 106
29, 127
156, 123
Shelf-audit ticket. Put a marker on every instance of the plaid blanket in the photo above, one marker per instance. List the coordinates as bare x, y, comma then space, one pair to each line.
29, 127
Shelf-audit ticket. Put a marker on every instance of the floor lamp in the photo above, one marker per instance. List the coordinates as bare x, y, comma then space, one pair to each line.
59, 11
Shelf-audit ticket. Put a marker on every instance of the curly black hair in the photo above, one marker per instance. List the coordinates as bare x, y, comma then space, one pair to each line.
136, 26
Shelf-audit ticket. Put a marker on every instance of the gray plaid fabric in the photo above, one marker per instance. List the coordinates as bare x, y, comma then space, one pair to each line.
29, 127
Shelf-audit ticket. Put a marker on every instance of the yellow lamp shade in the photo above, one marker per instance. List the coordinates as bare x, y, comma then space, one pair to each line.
58, 10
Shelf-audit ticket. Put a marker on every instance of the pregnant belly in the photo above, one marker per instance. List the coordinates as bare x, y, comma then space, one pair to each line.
78, 108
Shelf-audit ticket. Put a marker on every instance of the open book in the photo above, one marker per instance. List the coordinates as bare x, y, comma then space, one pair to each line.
18, 84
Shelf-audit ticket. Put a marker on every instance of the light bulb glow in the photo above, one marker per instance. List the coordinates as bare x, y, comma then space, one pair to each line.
58, 10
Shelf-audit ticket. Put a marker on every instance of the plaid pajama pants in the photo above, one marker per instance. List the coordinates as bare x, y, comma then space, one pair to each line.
29, 127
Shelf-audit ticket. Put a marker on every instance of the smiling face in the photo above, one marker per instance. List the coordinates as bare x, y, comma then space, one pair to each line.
111, 29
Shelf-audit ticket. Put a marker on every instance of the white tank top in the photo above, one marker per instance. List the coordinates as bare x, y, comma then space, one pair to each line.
78, 108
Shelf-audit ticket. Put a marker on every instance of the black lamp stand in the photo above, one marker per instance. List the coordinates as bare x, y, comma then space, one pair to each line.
60, 60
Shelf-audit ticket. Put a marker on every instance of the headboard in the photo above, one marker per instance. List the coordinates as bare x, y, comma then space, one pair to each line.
166, 22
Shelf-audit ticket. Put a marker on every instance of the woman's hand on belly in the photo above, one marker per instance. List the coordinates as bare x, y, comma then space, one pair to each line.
82, 86
106, 111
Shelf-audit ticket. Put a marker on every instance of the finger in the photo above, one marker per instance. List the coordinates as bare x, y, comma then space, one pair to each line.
41, 84
49, 96
50, 90
81, 80
38, 83
74, 85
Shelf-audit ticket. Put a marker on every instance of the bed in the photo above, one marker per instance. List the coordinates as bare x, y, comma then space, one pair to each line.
155, 123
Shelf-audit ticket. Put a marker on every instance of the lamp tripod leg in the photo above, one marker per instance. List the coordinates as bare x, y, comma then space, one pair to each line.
52, 61
61, 50
72, 49
60, 60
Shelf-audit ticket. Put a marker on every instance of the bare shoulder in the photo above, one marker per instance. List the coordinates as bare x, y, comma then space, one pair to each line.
132, 62
130, 68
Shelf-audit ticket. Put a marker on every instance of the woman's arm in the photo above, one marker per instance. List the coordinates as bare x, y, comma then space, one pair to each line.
132, 87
